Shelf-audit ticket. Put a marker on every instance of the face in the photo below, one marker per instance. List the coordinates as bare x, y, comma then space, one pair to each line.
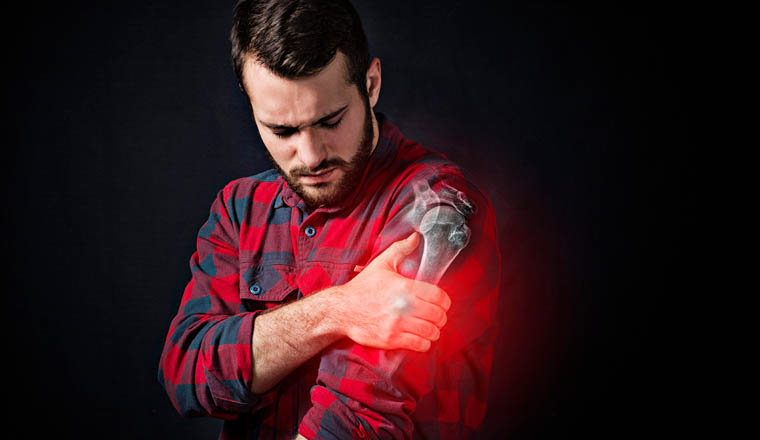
318, 131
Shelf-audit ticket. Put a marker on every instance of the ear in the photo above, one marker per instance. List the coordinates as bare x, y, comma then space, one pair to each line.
374, 79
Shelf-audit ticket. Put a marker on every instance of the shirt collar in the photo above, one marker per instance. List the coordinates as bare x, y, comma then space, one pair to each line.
387, 146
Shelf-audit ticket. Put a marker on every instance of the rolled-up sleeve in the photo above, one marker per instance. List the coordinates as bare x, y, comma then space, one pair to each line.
399, 394
206, 363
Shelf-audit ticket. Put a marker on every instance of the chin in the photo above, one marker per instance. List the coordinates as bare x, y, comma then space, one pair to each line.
323, 194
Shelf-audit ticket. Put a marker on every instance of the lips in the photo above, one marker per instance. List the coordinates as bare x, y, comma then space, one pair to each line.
311, 179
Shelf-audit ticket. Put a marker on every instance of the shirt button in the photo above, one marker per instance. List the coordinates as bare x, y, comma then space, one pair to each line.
255, 289
310, 231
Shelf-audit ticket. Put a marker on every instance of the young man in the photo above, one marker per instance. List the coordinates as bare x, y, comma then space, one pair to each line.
349, 293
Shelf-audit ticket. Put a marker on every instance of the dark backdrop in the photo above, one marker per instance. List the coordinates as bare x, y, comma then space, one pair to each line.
123, 120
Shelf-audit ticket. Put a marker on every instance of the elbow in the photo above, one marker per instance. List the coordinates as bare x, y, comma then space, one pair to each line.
181, 397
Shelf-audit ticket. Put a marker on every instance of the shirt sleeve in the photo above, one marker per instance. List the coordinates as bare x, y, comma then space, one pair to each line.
400, 394
206, 363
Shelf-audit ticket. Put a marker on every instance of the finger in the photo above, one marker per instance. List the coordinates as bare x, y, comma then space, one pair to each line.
422, 328
413, 342
396, 252
430, 312
432, 294
409, 244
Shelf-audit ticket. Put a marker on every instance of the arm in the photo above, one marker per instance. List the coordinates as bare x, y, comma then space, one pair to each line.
373, 393
218, 359
286, 337
206, 362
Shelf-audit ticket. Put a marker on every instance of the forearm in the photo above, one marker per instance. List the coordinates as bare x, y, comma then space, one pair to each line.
287, 336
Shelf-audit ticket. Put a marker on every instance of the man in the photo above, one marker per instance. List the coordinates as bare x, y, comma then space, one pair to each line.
303, 316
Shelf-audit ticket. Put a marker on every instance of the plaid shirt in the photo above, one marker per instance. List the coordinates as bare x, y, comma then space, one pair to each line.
261, 247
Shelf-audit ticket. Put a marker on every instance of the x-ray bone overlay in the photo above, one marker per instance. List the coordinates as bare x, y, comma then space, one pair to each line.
442, 222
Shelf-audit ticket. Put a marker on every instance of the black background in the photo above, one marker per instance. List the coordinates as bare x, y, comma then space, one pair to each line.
123, 120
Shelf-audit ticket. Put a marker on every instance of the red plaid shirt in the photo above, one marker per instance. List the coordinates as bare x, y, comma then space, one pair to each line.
261, 247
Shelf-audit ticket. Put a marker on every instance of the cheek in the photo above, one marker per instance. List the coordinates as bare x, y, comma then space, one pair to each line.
346, 138
280, 151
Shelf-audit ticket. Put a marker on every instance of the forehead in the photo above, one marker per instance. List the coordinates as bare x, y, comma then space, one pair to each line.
293, 102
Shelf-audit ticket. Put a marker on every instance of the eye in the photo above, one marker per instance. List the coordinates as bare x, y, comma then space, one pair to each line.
331, 125
283, 133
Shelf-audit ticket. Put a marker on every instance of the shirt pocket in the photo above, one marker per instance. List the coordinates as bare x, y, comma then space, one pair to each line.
319, 275
266, 283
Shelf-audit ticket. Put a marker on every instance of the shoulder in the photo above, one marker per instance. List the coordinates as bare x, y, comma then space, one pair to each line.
425, 173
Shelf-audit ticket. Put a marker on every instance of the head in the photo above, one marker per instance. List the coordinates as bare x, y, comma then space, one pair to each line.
304, 66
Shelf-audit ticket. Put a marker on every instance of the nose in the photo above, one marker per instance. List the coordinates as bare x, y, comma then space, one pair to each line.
310, 150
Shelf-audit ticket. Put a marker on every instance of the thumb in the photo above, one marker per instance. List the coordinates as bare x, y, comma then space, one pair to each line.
396, 252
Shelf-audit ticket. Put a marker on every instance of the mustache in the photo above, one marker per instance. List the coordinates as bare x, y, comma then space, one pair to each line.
325, 164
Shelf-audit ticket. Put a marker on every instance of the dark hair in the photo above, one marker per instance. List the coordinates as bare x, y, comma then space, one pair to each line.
298, 38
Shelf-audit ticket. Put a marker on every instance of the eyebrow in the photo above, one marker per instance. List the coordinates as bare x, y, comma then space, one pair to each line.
318, 121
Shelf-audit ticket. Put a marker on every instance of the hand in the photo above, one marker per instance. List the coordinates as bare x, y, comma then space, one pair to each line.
381, 309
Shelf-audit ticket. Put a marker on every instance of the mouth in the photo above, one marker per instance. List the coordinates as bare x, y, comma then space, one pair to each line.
321, 177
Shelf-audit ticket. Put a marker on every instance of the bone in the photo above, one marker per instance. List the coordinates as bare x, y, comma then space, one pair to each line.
445, 234
440, 217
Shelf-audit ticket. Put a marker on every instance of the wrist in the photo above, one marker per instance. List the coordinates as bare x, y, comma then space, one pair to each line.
329, 305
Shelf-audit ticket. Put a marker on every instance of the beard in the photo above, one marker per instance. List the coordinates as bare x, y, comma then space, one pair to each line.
332, 193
